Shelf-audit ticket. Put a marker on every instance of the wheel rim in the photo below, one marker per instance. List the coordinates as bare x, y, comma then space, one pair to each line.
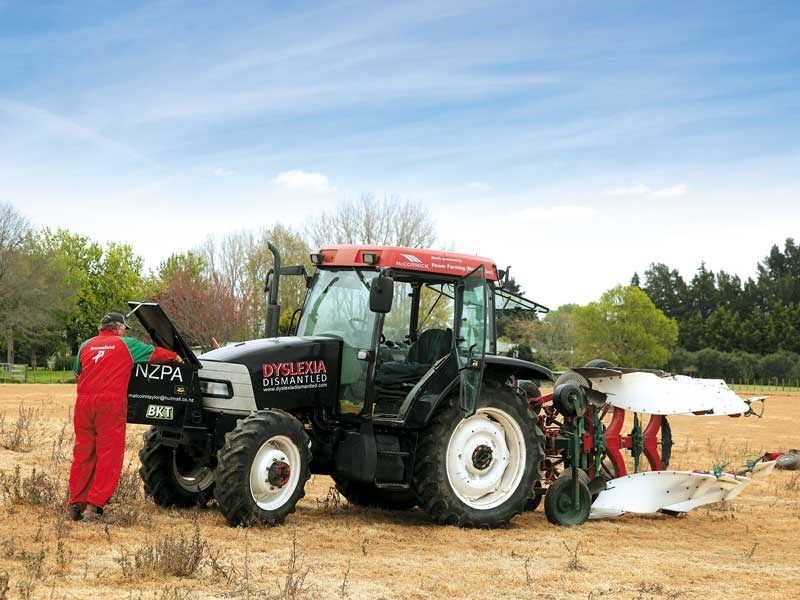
189, 475
486, 458
274, 472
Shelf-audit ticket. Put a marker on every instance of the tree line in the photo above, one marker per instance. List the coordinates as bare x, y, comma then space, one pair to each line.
712, 325
760, 314
733, 327
55, 285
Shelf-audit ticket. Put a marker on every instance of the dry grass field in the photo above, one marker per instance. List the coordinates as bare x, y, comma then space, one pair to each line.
748, 549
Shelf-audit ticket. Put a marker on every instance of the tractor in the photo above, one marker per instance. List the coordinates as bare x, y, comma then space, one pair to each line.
392, 385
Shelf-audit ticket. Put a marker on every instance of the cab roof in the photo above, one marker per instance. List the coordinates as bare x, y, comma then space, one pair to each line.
406, 259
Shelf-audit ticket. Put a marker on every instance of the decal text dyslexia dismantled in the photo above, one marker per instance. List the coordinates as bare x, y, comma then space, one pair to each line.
299, 374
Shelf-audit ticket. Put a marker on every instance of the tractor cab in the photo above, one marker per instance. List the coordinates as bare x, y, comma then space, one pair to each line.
413, 324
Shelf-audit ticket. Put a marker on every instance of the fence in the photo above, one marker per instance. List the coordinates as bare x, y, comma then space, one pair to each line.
772, 384
26, 374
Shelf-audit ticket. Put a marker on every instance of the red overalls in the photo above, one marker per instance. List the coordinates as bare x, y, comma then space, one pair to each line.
103, 368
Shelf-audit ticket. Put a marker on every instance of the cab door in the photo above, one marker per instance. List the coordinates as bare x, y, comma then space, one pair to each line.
470, 335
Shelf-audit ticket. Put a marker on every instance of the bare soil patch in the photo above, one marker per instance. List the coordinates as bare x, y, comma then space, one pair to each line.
748, 549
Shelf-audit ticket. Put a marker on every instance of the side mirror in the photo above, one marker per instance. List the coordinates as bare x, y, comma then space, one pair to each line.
381, 294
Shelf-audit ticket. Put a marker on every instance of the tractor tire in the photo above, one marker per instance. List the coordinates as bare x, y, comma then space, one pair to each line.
457, 476
531, 390
788, 462
360, 493
599, 363
535, 498
582, 475
171, 476
666, 443
571, 377
262, 469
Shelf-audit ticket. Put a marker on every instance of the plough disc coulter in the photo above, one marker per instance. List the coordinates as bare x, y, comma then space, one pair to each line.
607, 432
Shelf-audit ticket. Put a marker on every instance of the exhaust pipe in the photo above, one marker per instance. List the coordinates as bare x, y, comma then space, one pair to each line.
271, 291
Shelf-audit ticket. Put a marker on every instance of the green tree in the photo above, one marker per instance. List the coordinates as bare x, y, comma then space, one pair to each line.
667, 289
551, 338
34, 295
778, 365
104, 279
625, 327
779, 273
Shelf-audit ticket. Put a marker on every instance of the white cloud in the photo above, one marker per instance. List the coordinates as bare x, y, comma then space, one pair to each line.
671, 192
223, 172
297, 179
641, 189
559, 212
479, 186
638, 189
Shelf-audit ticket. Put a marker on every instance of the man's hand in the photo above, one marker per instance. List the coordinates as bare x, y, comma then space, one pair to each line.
178, 360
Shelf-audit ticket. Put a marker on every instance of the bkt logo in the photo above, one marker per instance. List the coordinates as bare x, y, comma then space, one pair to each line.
155, 411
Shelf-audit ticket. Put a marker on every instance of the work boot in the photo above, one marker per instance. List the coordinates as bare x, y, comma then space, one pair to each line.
75, 512
92, 513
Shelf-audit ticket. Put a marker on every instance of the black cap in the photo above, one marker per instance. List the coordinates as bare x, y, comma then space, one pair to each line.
114, 317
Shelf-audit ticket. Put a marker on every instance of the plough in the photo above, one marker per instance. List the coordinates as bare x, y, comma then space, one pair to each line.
585, 471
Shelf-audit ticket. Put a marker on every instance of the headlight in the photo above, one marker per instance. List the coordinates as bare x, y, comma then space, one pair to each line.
216, 389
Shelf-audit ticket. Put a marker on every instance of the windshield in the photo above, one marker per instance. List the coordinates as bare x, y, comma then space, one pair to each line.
338, 304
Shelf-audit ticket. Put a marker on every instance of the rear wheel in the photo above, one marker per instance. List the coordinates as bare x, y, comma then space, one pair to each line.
368, 494
262, 469
172, 476
479, 471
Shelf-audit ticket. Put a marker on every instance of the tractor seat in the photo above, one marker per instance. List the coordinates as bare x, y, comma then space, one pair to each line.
432, 345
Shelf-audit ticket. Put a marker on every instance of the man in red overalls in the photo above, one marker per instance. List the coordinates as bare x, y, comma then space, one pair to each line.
103, 367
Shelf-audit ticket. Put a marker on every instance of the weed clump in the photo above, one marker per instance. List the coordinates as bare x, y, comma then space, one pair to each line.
129, 488
4, 587
574, 563
294, 585
332, 502
18, 435
175, 556
36, 489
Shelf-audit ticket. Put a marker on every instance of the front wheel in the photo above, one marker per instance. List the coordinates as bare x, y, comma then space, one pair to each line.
172, 476
478, 471
262, 469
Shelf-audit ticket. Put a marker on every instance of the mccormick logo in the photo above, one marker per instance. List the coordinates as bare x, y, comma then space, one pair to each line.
411, 261
300, 374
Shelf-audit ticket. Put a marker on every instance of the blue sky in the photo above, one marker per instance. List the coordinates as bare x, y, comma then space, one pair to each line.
577, 142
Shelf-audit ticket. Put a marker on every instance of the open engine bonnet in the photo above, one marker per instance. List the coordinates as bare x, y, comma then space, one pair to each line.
162, 331
164, 395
